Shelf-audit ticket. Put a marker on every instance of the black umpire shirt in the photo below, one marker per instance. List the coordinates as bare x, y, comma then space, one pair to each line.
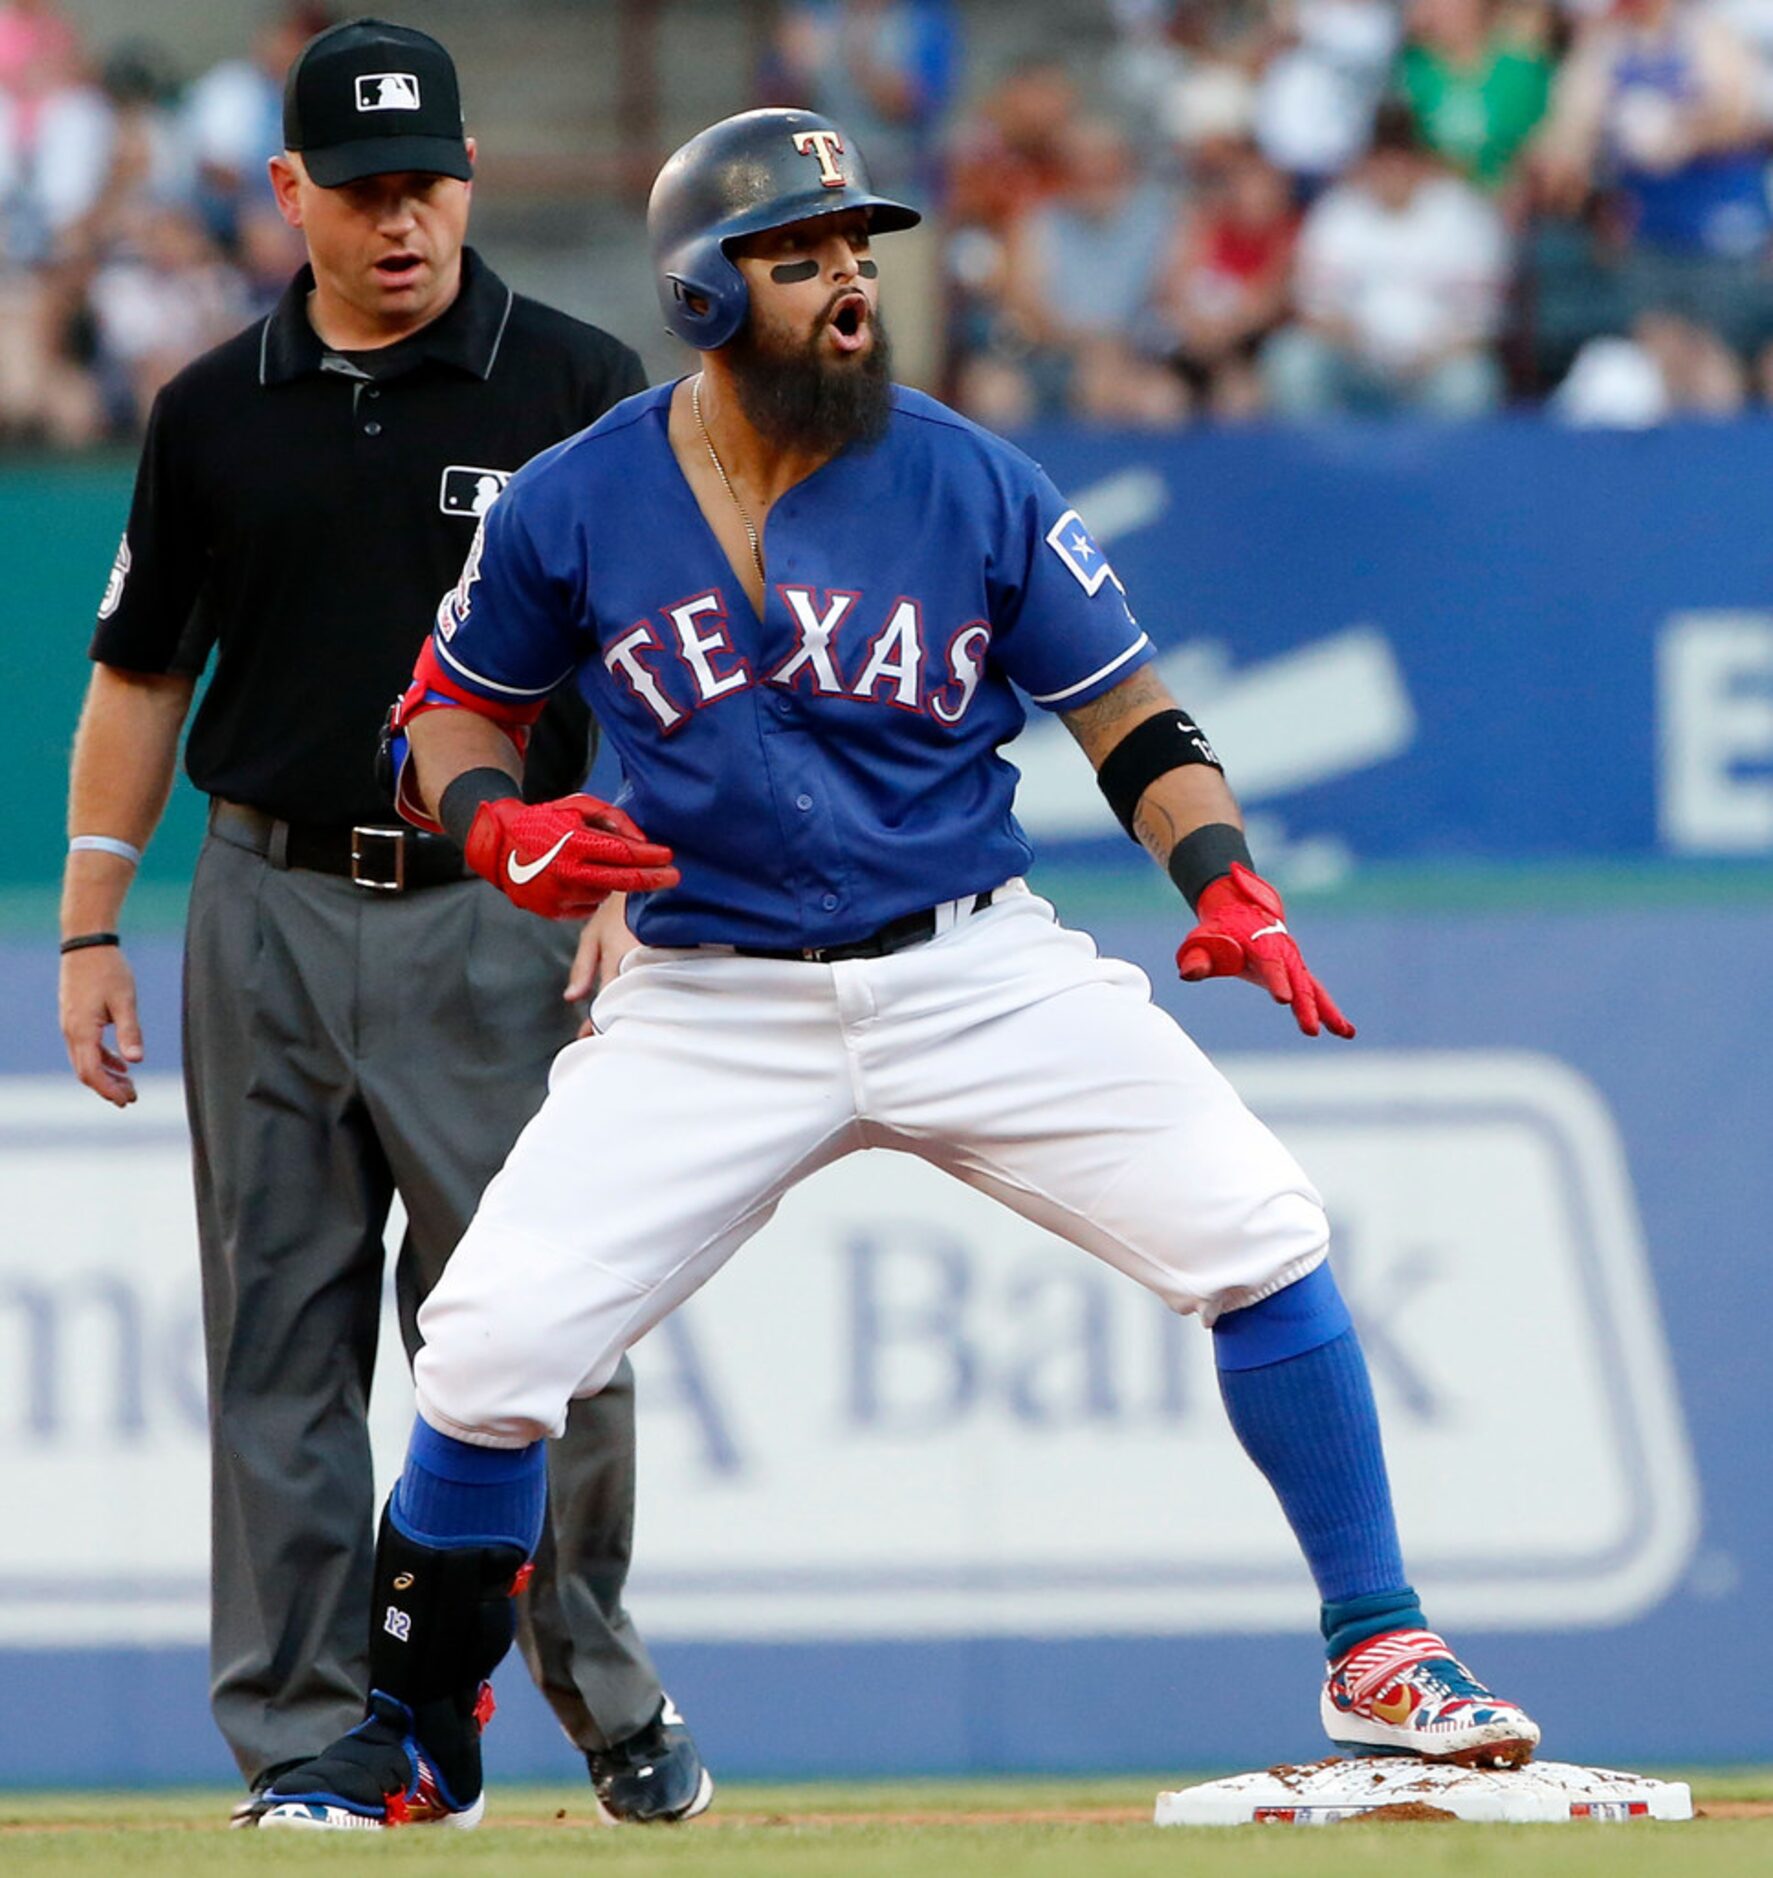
303, 512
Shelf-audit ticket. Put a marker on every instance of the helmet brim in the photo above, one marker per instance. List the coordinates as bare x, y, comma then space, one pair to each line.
885, 217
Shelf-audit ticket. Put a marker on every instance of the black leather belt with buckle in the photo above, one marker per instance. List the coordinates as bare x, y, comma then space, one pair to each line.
381, 858
910, 929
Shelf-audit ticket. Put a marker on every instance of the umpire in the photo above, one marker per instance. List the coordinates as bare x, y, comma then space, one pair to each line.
362, 1017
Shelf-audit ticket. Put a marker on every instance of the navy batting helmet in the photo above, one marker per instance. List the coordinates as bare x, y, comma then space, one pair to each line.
761, 169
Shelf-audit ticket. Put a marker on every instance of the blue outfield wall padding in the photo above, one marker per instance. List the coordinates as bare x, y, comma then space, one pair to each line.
1503, 609
1427, 655
1679, 1060
1493, 628
986, 1706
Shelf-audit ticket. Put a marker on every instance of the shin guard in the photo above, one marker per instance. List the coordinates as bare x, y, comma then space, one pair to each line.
441, 1619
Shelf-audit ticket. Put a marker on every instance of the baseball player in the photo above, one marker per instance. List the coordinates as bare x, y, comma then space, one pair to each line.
802, 600
362, 1015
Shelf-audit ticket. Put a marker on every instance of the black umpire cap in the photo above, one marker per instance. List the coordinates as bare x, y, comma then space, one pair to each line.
366, 98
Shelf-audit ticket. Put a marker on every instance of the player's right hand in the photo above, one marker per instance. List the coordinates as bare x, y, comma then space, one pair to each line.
563, 859
98, 991
1243, 934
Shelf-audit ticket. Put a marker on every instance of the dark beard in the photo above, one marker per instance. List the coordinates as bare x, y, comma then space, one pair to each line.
796, 396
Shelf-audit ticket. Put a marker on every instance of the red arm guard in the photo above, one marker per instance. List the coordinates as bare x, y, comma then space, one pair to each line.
433, 689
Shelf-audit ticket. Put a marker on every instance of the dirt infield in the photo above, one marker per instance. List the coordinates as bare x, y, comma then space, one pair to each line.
1028, 1816
885, 1830
580, 1818
1045, 1828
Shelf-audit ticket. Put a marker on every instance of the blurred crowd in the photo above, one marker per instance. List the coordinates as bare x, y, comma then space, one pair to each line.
1362, 206
1215, 210
137, 226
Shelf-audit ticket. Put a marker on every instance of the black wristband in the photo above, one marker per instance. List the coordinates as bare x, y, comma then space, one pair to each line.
1199, 859
1170, 740
81, 940
459, 803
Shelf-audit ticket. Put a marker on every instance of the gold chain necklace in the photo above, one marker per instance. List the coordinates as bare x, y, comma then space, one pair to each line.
725, 480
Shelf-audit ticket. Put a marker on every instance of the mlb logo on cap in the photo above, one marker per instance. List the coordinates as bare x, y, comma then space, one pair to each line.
388, 91
368, 98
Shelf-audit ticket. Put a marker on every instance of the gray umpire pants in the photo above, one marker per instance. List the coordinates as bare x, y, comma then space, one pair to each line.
342, 1045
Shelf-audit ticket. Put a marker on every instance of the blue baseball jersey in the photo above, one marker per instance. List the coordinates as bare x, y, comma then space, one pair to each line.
834, 764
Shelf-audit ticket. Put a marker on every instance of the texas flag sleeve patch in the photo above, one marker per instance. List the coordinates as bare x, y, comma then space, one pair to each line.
1073, 543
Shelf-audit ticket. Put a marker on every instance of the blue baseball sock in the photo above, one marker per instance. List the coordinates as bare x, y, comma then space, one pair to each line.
453, 1493
1295, 1385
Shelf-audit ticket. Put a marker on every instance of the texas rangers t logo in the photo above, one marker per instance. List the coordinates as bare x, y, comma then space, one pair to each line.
825, 144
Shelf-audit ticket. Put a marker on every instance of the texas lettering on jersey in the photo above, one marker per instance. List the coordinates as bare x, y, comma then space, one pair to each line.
842, 649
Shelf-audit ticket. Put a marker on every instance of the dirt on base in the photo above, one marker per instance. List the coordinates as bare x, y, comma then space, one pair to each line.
1402, 1813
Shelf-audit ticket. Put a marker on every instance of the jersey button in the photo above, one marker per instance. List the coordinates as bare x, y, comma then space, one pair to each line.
829, 903
803, 802
372, 429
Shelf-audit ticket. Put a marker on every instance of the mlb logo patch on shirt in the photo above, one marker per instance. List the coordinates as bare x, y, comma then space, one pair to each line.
388, 91
1076, 547
470, 491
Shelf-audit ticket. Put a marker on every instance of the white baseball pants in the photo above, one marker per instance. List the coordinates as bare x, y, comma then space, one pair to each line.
1004, 1050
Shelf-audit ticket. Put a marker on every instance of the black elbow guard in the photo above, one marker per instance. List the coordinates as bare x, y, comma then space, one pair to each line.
387, 765
1170, 740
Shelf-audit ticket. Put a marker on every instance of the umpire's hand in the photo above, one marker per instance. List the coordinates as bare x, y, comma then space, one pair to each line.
97, 992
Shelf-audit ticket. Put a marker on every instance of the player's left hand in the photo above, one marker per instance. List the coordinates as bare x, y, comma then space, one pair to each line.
1243, 934
603, 945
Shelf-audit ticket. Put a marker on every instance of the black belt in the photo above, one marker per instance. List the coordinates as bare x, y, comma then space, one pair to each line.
385, 858
909, 929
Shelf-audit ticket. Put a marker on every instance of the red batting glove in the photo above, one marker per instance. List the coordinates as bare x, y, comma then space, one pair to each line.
562, 859
1243, 934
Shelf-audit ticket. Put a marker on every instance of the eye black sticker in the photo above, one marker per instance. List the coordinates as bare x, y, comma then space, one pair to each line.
869, 270
791, 273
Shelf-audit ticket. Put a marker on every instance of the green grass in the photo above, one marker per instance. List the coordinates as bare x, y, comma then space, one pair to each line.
923, 1830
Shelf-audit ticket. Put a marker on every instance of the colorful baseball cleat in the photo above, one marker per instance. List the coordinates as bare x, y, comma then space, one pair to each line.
654, 1778
1405, 1692
377, 1776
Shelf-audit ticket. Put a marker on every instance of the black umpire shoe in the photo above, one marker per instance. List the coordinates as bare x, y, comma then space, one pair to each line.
652, 1778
